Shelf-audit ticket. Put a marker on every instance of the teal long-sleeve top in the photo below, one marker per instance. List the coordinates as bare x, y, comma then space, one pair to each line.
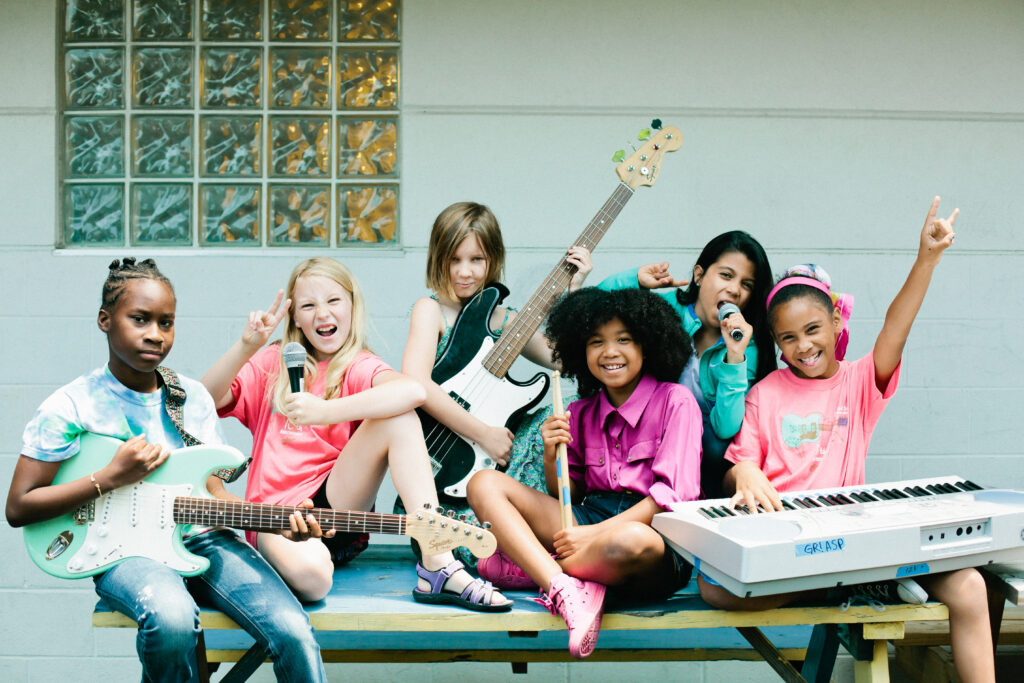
724, 384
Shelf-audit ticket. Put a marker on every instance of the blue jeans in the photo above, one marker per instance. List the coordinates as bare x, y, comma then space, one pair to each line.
239, 583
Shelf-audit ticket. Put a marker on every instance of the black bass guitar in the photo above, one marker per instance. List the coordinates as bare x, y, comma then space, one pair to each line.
474, 366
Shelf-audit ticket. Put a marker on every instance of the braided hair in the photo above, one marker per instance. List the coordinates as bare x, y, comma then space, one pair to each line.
121, 271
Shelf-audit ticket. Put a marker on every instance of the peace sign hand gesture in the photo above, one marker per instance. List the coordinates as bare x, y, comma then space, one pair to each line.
262, 324
937, 234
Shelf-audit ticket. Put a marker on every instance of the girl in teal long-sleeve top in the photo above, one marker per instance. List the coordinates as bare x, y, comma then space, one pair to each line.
732, 268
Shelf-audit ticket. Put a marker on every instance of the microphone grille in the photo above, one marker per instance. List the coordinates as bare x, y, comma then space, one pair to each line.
294, 355
726, 310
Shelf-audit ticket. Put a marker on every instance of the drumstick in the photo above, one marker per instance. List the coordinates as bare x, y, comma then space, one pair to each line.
561, 467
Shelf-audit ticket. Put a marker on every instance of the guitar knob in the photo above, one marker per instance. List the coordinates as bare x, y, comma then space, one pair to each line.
91, 549
102, 531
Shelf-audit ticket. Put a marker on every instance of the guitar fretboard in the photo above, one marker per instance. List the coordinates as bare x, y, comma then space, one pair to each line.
263, 517
529, 318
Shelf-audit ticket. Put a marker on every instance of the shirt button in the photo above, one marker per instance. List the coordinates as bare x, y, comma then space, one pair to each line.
615, 476
616, 446
601, 461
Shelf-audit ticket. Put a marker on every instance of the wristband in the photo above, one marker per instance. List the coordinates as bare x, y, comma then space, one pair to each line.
92, 478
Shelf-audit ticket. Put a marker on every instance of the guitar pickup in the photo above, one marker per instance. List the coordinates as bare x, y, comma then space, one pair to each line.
463, 403
86, 513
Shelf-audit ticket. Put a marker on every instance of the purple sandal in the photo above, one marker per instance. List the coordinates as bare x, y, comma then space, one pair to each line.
477, 596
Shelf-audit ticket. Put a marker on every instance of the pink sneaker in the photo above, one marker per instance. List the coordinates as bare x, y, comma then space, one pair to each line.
501, 571
580, 604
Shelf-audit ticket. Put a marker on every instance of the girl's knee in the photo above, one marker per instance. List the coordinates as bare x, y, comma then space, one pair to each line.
170, 627
963, 591
485, 485
633, 546
312, 584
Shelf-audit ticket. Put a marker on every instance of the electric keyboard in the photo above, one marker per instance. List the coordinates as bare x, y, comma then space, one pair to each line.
848, 535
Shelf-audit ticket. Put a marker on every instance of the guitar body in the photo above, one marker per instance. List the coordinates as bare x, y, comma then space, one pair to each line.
493, 400
131, 521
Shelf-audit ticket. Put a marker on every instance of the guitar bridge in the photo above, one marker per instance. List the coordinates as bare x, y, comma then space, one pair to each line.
86, 513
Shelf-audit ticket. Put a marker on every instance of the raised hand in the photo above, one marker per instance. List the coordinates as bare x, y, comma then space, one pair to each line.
579, 257
937, 234
261, 324
133, 461
655, 275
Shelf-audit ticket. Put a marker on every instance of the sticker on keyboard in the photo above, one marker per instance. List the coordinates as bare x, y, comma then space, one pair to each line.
912, 570
830, 545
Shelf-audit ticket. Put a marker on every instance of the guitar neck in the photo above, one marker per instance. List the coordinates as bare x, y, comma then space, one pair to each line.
529, 318
270, 518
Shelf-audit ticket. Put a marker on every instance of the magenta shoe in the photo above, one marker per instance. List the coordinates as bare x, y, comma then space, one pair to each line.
501, 571
580, 603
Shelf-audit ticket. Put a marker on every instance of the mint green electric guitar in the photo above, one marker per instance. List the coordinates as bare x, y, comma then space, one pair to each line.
145, 519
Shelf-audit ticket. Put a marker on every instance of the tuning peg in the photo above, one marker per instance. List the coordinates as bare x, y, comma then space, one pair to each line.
439, 510
619, 155
451, 513
462, 517
486, 525
643, 134
656, 124
426, 506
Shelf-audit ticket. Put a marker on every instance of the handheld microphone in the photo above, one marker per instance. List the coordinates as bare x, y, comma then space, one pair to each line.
724, 312
295, 360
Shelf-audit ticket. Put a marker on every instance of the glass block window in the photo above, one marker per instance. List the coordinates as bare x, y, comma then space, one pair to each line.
229, 123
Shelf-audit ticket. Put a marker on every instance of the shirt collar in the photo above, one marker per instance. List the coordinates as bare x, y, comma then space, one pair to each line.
633, 409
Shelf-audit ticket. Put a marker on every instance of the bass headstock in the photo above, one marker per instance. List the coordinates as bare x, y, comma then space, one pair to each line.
642, 166
437, 532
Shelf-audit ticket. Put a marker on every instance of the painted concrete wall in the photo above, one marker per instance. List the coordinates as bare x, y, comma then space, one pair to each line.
822, 128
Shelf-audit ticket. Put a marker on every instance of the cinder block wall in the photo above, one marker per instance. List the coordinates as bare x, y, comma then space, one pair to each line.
823, 130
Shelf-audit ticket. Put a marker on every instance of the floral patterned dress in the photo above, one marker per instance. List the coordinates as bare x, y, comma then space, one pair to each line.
526, 461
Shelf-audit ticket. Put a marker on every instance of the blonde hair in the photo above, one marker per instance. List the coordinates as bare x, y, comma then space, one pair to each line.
356, 342
454, 224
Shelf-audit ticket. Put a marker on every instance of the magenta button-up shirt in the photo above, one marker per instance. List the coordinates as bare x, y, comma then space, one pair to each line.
649, 445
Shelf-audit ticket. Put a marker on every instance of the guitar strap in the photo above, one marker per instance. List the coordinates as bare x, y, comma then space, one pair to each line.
174, 404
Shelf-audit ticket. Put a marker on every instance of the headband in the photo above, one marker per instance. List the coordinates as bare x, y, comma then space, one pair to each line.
841, 302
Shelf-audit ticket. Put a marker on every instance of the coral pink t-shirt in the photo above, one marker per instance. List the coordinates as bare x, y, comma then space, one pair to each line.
290, 462
812, 433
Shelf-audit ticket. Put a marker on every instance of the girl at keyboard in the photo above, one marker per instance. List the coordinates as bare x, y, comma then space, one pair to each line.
633, 448
808, 426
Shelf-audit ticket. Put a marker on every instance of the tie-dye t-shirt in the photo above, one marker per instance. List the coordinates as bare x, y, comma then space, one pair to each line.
812, 433
99, 403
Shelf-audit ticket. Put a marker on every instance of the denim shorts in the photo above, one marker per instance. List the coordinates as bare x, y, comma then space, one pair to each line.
598, 506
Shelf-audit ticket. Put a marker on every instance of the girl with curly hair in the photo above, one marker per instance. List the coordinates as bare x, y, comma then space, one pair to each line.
730, 355
633, 449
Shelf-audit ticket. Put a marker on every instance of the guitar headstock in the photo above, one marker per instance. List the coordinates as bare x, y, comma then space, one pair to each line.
437, 533
643, 165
